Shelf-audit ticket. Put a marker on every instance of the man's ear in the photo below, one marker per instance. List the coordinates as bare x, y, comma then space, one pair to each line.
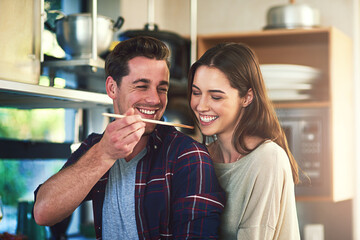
248, 98
111, 87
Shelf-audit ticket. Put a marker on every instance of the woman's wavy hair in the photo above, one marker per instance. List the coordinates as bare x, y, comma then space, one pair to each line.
241, 66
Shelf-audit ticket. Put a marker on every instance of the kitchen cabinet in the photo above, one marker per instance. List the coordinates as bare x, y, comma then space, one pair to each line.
20, 40
330, 51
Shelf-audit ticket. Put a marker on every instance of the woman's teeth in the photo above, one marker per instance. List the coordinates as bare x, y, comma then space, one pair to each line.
148, 112
208, 118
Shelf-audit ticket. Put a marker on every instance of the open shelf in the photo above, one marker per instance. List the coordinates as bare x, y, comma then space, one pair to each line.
24, 95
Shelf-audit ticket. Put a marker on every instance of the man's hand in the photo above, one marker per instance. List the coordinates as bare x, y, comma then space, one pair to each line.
122, 135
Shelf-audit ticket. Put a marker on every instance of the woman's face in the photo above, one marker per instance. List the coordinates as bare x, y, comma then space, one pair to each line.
215, 103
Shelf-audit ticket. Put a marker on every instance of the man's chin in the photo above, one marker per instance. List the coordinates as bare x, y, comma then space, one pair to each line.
149, 128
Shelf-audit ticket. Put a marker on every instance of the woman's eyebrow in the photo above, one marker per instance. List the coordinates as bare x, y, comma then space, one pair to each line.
211, 91
216, 91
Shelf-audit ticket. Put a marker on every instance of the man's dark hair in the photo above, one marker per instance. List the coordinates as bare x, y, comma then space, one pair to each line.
116, 64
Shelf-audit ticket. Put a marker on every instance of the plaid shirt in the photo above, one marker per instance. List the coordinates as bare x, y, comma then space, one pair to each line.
177, 195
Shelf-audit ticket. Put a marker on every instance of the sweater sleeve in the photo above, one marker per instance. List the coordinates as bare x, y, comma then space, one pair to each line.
198, 197
270, 212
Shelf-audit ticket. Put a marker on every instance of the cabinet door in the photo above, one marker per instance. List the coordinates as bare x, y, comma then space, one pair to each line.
20, 40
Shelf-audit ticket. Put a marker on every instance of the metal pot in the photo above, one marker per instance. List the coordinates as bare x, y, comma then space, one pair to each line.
74, 33
179, 48
292, 15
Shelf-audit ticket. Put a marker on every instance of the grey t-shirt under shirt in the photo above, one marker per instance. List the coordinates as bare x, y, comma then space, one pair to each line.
118, 219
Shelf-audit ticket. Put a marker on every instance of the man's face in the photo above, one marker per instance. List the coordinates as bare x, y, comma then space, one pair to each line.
144, 89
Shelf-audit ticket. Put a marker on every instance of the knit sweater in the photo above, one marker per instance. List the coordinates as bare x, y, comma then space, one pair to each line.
260, 196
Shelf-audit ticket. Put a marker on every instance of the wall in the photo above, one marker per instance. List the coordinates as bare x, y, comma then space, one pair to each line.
228, 15
242, 15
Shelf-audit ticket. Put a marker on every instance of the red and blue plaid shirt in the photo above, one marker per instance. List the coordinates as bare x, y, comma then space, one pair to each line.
177, 195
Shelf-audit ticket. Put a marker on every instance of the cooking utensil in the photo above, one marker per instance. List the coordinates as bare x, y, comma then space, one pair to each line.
292, 15
74, 33
151, 121
179, 46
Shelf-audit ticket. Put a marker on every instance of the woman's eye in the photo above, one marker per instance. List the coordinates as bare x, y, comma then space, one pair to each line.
195, 93
216, 97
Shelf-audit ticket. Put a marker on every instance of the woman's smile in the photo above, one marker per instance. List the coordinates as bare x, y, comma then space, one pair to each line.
207, 119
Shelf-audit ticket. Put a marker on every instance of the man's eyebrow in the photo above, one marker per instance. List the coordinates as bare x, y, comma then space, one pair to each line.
142, 80
164, 83
147, 81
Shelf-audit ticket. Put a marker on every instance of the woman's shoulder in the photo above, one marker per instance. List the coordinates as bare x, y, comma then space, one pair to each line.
270, 154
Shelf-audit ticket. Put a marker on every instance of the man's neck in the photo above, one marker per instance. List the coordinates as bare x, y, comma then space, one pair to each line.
138, 147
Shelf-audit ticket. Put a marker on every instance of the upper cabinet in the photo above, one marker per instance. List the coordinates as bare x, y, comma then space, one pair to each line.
331, 52
22, 23
20, 40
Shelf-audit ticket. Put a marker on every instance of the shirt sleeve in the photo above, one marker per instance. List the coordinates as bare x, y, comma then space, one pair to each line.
198, 197
85, 146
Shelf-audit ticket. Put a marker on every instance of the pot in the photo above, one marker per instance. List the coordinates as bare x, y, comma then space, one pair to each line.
179, 48
74, 33
291, 16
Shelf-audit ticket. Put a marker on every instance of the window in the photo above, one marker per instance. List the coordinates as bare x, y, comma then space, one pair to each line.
19, 177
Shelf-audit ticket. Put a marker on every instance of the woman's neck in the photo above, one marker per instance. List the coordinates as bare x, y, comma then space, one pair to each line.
223, 151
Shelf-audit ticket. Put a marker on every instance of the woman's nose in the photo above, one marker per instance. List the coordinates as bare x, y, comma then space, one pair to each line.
202, 104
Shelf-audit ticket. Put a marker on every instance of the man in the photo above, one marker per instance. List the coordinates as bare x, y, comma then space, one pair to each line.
145, 181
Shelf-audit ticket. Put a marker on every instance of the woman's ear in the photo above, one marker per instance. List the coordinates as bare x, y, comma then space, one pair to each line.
111, 87
248, 97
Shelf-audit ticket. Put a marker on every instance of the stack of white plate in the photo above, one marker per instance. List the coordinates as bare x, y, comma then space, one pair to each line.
286, 82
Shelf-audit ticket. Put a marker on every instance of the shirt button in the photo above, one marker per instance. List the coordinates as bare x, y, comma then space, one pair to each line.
155, 147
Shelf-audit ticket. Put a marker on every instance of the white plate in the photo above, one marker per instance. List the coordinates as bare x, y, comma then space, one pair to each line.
290, 73
287, 95
283, 86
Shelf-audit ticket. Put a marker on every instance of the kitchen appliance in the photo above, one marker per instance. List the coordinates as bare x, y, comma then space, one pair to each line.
74, 33
179, 46
307, 133
293, 15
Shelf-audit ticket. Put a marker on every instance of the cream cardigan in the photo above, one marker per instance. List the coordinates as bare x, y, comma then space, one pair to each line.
260, 196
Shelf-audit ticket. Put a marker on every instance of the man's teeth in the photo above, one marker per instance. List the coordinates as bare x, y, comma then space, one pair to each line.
207, 118
149, 112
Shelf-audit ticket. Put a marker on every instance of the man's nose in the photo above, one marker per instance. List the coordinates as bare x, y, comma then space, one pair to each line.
153, 96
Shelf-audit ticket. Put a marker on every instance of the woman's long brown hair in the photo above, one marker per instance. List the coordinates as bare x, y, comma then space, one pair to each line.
241, 66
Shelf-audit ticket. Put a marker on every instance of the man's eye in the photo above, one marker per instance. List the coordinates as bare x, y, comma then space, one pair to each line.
165, 90
142, 86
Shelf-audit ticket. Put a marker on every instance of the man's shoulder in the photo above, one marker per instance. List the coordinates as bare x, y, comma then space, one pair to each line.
184, 140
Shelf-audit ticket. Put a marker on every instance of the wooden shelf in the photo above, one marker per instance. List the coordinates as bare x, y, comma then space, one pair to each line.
319, 104
330, 51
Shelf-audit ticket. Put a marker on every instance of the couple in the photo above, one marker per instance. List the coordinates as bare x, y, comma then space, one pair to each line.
150, 181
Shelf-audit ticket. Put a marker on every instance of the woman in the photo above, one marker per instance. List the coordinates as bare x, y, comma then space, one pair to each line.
249, 148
